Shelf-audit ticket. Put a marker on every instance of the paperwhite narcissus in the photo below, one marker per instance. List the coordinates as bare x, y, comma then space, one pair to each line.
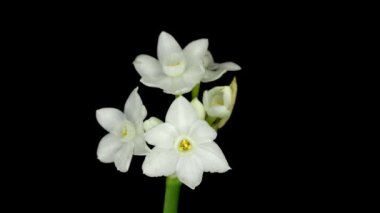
234, 89
184, 146
176, 71
126, 133
218, 101
214, 71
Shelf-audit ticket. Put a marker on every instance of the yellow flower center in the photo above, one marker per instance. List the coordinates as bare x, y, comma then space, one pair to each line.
124, 132
184, 145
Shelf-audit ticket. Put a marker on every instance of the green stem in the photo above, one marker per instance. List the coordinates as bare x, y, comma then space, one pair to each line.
195, 91
173, 187
210, 120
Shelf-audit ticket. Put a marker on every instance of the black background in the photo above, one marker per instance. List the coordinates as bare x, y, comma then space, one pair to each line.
82, 61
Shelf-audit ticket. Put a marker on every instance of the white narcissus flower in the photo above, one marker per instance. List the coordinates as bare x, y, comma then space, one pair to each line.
215, 70
218, 101
184, 146
234, 88
176, 71
126, 133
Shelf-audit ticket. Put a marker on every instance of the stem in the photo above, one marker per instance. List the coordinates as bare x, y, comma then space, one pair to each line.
210, 120
173, 187
195, 91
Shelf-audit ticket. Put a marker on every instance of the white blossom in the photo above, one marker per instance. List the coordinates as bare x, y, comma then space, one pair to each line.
126, 133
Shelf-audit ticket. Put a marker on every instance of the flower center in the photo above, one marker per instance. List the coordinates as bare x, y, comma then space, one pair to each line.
217, 100
174, 65
184, 145
124, 132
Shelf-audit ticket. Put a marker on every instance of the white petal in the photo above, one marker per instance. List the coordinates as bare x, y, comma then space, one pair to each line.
230, 66
193, 75
195, 51
163, 135
181, 84
181, 114
148, 68
124, 156
208, 60
190, 171
151, 122
108, 147
218, 111
134, 108
176, 86
201, 132
227, 96
160, 162
212, 158
234, 88
109, 118
140, 148
212, 75
167, 45
151, 83
198, 106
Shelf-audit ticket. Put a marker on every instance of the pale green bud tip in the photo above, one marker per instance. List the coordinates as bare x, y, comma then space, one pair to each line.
151, 122
198, 106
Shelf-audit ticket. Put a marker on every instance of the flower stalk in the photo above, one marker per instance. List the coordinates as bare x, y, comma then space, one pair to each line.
173, 187
195, 91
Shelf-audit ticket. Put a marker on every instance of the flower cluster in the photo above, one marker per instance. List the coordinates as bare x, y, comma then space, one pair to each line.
184, 144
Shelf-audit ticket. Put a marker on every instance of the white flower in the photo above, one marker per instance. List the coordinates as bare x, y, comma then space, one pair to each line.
126, 134
218, 101
215, 70
176, 71
234, 88
184, 146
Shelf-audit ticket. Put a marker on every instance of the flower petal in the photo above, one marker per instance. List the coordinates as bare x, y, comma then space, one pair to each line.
212, 75
202, 132
230, 66
108, 147
167, 45
109, 118
124, 156
163, 135
227, 96
193, 75
212, 158
190, 171
195, 51
234, 88
208, 61
219, 111
181, 114
148, 67
134, 108
160, 162
176, 86
140, 148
